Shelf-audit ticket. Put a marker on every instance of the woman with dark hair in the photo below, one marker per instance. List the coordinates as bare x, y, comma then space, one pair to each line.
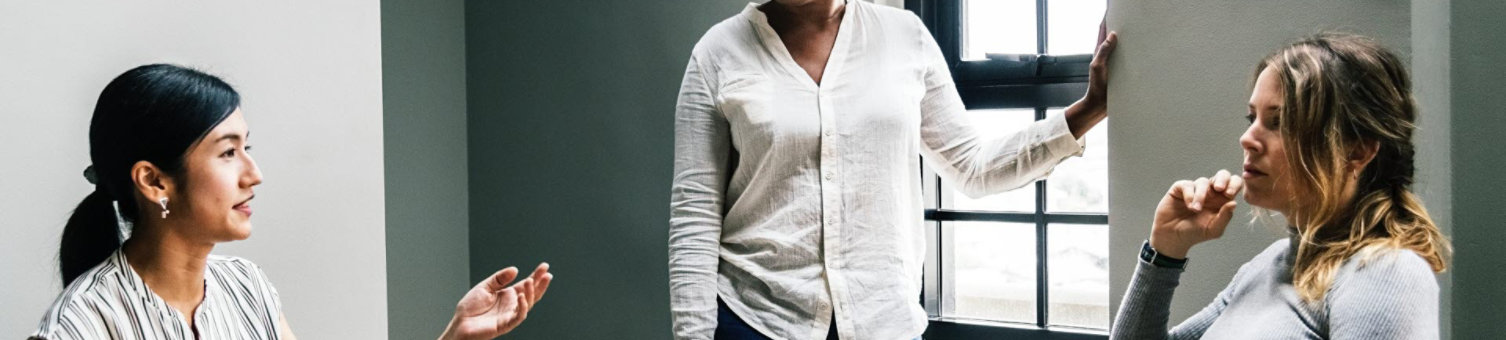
170, 164
1329, 146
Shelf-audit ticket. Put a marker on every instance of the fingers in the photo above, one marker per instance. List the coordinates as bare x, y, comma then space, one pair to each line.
542, 280
542, 269
1180, 190
1236, 184
525, 290
1103, 29
1221, 220
519, 312
499, 281
1109, 44
1105, 49
1221, 181
1199, 193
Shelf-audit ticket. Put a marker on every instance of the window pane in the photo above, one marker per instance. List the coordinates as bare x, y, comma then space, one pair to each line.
993, 271
997, 26
1078, 264
1072, 26
1081, 184
995, 124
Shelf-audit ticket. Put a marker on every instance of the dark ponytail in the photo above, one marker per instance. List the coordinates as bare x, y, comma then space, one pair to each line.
91, 235
152, 113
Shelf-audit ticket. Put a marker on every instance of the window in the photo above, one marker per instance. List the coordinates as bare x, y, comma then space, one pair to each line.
1032, 262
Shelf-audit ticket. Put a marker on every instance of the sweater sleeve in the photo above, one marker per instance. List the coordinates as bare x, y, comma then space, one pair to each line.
1146, 309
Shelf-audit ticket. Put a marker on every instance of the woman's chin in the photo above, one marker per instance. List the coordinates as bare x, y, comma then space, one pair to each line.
241, 232
1256, 199
1263, 200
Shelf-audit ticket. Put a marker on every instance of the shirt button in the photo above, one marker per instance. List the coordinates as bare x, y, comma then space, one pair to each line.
828, 176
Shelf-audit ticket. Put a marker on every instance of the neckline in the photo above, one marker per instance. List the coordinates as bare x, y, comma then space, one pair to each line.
152, 299
775, 45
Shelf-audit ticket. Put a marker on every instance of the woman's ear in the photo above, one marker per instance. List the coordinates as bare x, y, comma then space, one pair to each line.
151, 181
1362, 154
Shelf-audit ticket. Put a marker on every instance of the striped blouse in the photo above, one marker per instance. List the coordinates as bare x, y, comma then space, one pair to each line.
111, 302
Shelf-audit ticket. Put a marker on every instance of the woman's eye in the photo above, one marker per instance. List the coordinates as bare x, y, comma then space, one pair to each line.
248, 149
1250, 117
228, 153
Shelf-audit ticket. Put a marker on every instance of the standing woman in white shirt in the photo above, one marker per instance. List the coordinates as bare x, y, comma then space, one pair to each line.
796, 200
169, 152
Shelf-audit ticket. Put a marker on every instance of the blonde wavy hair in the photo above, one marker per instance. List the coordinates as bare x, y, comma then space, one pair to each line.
1341, 92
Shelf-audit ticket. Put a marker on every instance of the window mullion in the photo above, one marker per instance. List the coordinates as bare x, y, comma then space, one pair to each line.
1042, 293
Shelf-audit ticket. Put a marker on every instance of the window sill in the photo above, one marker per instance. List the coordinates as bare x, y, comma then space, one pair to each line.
958, 328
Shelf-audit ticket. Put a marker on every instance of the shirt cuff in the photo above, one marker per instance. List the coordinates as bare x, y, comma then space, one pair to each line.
1058, 137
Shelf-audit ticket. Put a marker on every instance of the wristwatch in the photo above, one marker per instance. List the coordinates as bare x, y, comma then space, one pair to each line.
1150, 255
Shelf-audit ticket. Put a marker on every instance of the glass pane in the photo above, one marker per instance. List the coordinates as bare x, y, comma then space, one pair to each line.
1079, 274
993, 275
1072, 26
994, 124
997, 26
1081, 184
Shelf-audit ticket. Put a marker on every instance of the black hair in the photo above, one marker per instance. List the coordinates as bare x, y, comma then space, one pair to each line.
151, 113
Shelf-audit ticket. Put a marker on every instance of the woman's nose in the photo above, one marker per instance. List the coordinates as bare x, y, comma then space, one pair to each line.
1247, 140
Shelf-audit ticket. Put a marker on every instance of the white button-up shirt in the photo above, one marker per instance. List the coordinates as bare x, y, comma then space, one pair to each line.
797, 202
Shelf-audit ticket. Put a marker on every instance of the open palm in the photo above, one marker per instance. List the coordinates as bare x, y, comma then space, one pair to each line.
493, 307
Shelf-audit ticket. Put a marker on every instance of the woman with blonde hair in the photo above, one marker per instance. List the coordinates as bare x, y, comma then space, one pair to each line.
1329, 147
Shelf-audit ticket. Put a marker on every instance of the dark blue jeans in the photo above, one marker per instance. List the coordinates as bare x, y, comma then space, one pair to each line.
731, 327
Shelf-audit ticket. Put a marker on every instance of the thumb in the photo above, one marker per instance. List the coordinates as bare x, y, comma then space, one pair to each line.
1221, 220
499, 280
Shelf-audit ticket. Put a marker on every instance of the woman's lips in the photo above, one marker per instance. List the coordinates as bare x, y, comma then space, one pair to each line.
244, 207
1250, 171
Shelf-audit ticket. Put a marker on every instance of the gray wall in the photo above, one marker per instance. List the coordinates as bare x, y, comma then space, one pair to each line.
1430, 86
571, 143
423, 68
1477, 44
1181, 80
310, 75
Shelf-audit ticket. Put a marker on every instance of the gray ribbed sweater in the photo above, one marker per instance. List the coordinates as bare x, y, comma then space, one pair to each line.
1393, 296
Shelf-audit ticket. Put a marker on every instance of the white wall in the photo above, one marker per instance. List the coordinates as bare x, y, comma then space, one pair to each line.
310, 76
1181, 81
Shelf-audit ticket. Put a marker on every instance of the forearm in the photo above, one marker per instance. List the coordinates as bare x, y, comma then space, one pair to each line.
1084, 114
693, 260
1144, 312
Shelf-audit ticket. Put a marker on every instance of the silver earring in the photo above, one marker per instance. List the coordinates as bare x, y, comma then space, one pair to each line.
163, 203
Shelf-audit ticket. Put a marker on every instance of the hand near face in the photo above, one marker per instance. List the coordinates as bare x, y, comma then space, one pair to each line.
1194, 211
493, 307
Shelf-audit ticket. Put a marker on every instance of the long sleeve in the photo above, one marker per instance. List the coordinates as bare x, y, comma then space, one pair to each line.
702, 148
1392, 296
982, 166
1146, 308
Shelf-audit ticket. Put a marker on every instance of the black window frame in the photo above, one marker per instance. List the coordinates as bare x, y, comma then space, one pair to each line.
1040, 82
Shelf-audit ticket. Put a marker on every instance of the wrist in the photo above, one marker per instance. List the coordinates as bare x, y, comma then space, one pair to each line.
1082, 115
1168, 249
1149, 254
449, 331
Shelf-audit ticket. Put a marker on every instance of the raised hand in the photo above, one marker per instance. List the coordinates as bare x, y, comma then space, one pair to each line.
1093, 107
1194, 211
493, 307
